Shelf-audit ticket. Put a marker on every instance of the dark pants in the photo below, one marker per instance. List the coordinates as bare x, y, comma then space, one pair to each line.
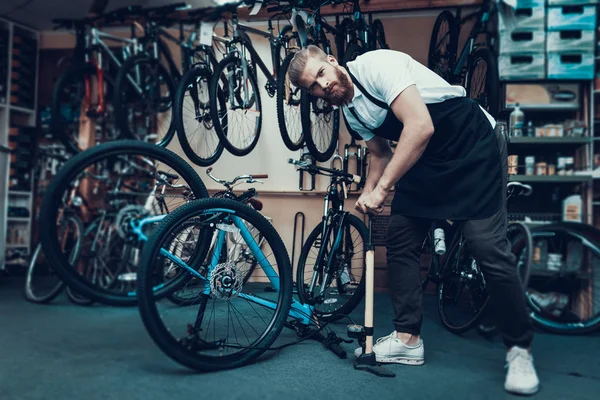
487, 242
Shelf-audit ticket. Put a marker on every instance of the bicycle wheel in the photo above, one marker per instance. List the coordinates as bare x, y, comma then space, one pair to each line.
320, 126
521, 244
559, 294
378, 38
68, 100
41, 284
289, 117
193, 121
352, 52
78, 299
201, 339
144, 100
345, 37
462, 294
105, 186
483, 81
443, 45
239, 133
345, 285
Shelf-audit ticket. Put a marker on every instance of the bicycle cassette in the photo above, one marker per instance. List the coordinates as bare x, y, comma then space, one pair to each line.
127, 214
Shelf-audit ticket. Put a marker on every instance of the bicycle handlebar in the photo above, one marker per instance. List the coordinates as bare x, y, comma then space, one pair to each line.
314, 169
248, 178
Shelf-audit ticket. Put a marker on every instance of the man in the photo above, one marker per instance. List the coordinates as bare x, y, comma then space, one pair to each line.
449, 163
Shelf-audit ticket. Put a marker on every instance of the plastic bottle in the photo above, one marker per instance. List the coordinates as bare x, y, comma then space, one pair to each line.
516, 121
439, 238
530, 129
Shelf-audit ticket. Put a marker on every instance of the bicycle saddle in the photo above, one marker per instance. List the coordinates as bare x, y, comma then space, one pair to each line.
519, 189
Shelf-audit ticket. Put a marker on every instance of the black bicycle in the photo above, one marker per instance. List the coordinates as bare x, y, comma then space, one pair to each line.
475, 67
331, 267
238, 124
462, 291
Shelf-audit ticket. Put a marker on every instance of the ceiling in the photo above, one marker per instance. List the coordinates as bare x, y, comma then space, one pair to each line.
38, 14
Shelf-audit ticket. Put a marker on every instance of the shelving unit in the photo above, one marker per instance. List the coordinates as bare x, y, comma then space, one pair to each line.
19, 58
552, 178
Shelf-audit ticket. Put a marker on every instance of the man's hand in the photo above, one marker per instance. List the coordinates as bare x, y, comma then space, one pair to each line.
372, 202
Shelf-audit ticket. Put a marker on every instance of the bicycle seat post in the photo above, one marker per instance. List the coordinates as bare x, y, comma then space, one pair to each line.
367, 361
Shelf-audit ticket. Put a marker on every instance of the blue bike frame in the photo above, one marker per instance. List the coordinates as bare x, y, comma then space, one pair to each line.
299, 311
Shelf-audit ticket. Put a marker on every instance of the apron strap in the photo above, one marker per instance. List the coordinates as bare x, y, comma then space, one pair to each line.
353, 111
377, 102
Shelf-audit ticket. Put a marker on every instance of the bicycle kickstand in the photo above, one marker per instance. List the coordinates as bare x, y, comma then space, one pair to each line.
364, 334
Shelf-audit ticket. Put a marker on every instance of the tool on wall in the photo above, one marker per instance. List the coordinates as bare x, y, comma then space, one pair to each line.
306, 156
302, 219
352, 155
365, 166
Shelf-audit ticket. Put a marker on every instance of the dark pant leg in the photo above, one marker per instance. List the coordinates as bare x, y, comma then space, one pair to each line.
405, 238
486, 239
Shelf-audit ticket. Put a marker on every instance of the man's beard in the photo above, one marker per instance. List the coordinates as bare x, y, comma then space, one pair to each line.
341, 92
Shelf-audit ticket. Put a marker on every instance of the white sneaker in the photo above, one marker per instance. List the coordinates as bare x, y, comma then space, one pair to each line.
390, 349
521, 377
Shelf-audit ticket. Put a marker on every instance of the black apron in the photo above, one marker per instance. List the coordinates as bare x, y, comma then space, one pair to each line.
459, 175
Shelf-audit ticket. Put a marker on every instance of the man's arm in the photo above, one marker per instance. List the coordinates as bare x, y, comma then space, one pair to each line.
381, 154
409, 108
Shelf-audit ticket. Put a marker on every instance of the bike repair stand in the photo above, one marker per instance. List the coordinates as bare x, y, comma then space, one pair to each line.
364, 334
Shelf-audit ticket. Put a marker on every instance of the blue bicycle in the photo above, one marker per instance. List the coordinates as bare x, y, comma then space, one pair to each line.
230, 320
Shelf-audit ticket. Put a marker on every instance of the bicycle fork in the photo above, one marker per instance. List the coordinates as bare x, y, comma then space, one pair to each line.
329, 270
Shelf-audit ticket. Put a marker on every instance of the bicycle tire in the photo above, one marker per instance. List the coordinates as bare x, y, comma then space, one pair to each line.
120, 103
378, 38
188, 79
29, 292
519, 236
490, 100
53, 199
345, 28
292, 144
433, 57
320, 154
441, 309
591, 235
76, 298
58, 126
352, 52
149, 312
285, 35
226, 136
73, 257
359, 293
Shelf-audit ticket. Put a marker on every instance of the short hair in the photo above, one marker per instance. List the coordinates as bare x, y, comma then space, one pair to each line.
298, 63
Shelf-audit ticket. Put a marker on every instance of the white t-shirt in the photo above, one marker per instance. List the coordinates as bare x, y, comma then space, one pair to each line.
385, 74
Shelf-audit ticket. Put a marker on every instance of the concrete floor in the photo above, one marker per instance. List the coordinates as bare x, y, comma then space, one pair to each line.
63, 351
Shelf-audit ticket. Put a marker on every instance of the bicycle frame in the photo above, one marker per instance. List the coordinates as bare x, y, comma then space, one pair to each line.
301, 312
94, 42
247, 44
